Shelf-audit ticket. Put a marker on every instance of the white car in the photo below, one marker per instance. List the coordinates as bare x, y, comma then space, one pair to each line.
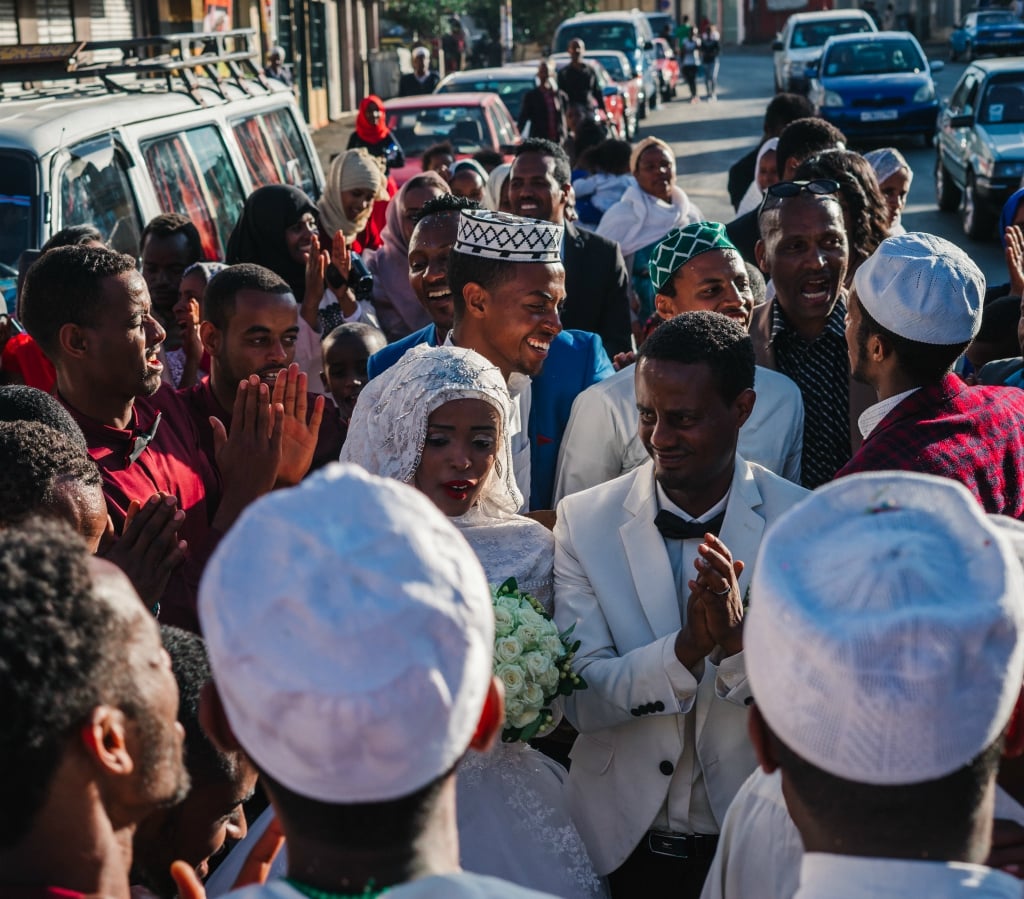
802, 39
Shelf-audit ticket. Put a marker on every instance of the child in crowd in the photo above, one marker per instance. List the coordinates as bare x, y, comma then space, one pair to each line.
609, 164
345, 353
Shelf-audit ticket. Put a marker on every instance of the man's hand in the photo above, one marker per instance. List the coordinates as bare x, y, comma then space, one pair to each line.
248, 458
694, 640
621, 360
1015, 259
255, 869
298, 443
719, 591
149, 550
316, 273
341, 259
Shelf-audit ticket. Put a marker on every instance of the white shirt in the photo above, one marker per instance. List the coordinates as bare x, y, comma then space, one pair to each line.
601, 441
824, 876
461, 885
871, 417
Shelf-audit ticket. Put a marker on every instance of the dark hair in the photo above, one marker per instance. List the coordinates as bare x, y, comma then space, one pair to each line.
61, 651
488, 158
613, 156
869, 215
803, 138
466, 268
437, 149
925, 363
372, 826
191, 666
562, 170
19, 402
783, 109
66, 286
170, 224
446, 203
355, 329
758, 289
707, 337
219, 296
72, 236
37, 462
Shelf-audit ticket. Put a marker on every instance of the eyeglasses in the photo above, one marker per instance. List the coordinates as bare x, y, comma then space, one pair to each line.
782, 190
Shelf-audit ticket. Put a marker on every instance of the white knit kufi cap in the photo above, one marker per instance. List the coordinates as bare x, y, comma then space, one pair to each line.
510, 238
884, 638
923, 288
350, 632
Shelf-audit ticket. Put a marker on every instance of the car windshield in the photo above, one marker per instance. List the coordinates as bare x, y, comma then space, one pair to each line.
873, 58
511, 90
614, 66
1003, 102
814, 34
597, 35
417, 129
996, 18
18, 211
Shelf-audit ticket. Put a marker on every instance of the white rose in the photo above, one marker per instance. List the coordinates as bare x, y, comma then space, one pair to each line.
507, 649
533, 696
504, 623
549, 680
512, 678
528, 635
537, 664
513, 709
552, 647
529, 615
523, 719
511, 603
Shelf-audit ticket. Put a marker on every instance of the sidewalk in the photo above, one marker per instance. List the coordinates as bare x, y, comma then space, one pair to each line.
332, 139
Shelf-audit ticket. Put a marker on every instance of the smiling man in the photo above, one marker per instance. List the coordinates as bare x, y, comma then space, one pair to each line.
694, 268
652, 569
801, 332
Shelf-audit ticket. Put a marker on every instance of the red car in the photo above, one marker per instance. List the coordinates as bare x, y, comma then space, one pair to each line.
668, 68
469, 121
619, 96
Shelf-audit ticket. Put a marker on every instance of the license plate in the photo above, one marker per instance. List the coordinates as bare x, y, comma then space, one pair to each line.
879, 115
1002, 35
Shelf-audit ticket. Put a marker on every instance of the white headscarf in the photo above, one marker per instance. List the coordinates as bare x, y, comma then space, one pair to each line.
351, 170
752, 198
495, 181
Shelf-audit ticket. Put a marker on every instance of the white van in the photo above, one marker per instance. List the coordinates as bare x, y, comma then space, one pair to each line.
802, 40
178, 123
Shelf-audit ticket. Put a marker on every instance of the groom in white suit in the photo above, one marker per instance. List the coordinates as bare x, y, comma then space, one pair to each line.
657, 601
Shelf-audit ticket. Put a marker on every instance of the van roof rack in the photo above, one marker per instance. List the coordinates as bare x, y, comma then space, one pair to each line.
177, 58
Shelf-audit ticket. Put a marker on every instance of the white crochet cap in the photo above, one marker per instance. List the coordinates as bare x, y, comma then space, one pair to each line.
350, 632
923, 288
508, 238
883, 642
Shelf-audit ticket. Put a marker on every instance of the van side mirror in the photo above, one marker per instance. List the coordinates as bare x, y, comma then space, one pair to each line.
961, 121
777, 47
648, 46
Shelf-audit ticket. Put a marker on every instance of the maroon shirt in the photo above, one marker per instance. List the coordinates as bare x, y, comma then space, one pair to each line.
38, 892
202, 404
974, 435
172, 463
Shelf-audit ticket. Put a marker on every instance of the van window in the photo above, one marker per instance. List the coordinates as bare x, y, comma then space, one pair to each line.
18, 210
814, 34
94, 190
273, 150
599, 36
193, 175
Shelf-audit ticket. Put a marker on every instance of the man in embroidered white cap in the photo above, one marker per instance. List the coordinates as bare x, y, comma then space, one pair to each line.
508, 283
915, 306
694, 268
355, 682
883, 696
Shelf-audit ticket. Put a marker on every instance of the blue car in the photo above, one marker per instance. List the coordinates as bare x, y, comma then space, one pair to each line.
876, 85
995, 31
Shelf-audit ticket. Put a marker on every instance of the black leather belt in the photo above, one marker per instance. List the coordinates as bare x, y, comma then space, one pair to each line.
682, 845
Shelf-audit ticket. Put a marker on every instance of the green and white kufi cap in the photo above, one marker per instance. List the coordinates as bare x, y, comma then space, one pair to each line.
680, 245
510, 238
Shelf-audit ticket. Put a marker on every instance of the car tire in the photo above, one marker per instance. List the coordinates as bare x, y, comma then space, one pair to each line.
929, 140
977, 220
641, 109
968, 53
952, 53
655, 98
947, 194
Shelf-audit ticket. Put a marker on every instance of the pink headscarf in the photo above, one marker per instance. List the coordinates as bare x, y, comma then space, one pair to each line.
398, 310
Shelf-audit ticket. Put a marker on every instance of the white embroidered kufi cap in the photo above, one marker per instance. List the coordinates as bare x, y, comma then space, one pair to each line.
883, 642
923, 288
510, 238
350, 632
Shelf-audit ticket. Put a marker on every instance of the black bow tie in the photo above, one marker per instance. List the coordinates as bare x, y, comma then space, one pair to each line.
672, 527
141, 441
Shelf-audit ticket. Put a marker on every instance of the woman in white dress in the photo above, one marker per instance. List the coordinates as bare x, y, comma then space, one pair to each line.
438, 420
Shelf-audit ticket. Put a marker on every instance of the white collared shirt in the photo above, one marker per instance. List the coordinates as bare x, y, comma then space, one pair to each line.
871, 417
851, 877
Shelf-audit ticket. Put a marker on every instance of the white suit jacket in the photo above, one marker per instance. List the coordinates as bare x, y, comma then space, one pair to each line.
614, 582
601, 441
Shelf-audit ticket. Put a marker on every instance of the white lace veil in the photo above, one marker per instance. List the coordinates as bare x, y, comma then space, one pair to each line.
389, 424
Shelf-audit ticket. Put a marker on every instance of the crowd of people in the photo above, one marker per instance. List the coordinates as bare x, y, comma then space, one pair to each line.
266, 524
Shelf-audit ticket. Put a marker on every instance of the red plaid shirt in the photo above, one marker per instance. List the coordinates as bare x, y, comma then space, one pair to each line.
974, 435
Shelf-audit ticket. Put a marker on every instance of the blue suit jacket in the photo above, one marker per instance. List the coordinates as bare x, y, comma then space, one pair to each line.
575, 361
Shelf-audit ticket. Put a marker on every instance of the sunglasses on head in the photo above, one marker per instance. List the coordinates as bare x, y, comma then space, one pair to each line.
782, 190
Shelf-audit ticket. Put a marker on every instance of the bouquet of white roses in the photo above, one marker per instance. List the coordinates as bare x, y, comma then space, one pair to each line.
532, 659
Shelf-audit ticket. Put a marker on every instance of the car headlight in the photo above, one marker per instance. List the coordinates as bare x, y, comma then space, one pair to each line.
1012, 170
984, 167
831, 98
797, 68
925, 93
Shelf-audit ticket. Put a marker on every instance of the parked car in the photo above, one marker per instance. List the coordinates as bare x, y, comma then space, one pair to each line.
876, 85
996, 31
510, 82
801, 40
979, 157
619, 86
115, 143
470, 121
628, 31
668, 68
